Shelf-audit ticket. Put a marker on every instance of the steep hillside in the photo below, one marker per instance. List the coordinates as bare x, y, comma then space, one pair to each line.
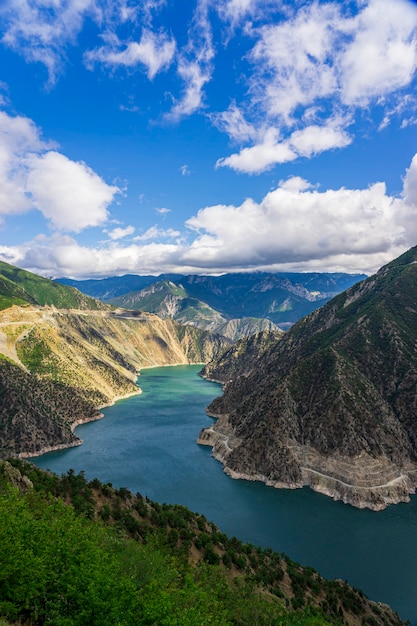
171, 300
163, 565
59, 365
333, 404
241, 358
18, 287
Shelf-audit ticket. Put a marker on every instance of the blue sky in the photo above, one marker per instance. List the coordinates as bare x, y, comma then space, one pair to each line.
207, 136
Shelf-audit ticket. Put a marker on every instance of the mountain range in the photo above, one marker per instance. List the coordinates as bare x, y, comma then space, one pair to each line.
234, 305
333, 403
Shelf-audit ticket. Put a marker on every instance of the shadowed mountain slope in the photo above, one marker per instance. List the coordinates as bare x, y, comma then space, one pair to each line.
333, 404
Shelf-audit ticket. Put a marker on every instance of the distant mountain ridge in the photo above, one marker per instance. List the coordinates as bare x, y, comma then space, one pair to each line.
282, 298
171, 300
333, 403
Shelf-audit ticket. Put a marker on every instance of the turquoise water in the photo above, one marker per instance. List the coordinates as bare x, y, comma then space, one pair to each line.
147, 444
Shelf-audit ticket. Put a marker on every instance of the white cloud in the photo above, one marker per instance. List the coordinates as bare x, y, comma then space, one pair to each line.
410, 183
19, 137
195, 75
119, 233
185, 170
292, 61
158, 233
163, 211
233, 123
382, 56
307, 142
315, 139
295, 227
68, 193
260, 157
195, 64
313, 70
40, 29
155, 51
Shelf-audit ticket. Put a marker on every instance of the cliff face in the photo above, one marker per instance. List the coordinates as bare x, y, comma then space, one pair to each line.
333, 404
57, 366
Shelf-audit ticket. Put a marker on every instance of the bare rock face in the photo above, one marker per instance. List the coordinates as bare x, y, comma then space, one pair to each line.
333, 404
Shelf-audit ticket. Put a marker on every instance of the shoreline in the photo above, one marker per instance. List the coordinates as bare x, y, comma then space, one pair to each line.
99, 416
373, 496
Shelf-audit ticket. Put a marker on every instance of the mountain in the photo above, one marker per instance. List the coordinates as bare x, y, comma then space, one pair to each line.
58, 364
332, 404
20, 287
168, 299
108, 288
283, 298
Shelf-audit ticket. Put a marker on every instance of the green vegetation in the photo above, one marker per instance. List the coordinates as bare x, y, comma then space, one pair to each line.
84, 553
20, 287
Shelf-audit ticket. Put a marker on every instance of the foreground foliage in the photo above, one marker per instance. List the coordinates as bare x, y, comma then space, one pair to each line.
111, 558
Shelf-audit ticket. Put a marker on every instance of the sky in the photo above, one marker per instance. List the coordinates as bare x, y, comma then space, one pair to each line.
207, 136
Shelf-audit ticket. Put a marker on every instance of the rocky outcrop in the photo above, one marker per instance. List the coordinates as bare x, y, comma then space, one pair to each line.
333, 404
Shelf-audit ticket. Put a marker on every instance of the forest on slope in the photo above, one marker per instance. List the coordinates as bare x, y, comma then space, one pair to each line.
86, 553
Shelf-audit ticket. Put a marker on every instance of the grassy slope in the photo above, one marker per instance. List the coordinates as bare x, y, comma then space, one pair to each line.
17, 285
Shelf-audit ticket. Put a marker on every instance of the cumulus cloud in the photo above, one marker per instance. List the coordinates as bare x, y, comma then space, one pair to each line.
295, 227
19, 137
154, 50
69, 194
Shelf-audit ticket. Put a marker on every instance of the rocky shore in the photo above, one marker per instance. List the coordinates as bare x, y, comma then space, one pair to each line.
361, 481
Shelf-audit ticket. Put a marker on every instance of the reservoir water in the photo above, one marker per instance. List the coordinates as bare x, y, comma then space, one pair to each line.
147, 443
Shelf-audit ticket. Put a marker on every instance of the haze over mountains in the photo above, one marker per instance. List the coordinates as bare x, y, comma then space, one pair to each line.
332, 404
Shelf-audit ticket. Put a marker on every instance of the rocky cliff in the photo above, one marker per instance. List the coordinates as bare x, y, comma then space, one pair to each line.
58, 366
333, 404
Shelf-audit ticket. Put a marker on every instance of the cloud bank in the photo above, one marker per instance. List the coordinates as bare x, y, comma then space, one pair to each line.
295, 227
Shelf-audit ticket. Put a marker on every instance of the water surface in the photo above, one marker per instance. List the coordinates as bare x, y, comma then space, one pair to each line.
147, 443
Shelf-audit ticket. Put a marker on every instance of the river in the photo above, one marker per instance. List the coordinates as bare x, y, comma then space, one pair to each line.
147, 443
